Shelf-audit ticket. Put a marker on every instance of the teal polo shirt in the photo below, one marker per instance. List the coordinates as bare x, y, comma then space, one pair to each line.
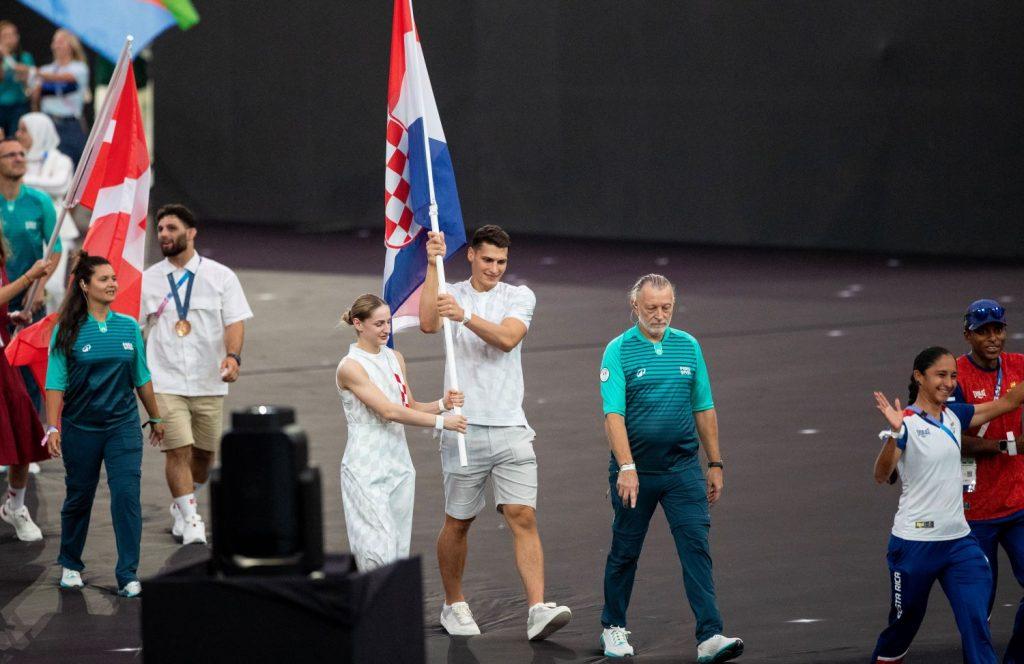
657, 387
107, 364
28, 222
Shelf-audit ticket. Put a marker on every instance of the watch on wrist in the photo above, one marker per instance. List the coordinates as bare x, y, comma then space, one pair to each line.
236, 357
467, 315
716, 464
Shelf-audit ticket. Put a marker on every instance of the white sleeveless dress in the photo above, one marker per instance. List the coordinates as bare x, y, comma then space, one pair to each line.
378, 480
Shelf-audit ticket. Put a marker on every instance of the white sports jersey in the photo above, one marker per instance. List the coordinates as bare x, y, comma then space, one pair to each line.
931, 505
491, 379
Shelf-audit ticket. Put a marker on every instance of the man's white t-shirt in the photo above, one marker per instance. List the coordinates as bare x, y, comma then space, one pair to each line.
932, 504
491, 379
189, 366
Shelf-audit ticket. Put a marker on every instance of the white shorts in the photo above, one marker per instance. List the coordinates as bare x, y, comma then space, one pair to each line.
505, 454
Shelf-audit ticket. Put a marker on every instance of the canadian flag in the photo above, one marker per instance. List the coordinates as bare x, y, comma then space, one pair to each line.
116, 189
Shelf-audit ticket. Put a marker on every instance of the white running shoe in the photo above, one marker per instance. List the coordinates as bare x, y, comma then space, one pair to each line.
719, 649
24, 527
193, 531
178, 526
457, 620
33, 468
545, 619
131, 589
615, 641
70, 578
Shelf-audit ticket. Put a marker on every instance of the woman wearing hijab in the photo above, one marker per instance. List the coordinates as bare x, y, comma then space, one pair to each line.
49, 170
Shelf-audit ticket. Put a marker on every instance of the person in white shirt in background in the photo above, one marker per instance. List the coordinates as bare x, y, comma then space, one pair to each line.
49, 170
195, 310
61, 90
492, 319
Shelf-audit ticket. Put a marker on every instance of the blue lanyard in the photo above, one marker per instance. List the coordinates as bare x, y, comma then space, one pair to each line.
930, 420
182, 307
999, 380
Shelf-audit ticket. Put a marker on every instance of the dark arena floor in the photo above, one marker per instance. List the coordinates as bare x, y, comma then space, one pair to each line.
795, 343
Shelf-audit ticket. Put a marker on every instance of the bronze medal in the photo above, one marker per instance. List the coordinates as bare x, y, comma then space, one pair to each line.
182, 328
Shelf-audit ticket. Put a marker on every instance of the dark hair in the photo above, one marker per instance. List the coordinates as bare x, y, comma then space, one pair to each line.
491, 234
75, 306
924, 360
179, 211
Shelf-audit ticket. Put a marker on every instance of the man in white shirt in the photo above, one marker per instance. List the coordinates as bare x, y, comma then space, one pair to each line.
195, 311
491, 320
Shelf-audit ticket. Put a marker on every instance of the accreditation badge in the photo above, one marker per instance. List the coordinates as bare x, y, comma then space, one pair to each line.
969, 470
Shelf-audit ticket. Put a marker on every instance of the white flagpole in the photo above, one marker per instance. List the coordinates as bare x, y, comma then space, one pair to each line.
442, 288
72, 197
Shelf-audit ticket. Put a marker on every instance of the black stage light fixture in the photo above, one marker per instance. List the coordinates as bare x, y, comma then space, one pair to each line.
265, 499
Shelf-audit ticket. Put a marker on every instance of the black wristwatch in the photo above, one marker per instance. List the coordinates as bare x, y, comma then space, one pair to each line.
716, 464
237, 357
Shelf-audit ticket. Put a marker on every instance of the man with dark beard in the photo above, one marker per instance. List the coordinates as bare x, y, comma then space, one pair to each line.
195, 311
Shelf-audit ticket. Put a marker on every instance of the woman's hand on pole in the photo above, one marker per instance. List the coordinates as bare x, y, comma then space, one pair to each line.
40, 269
454, 399
628, 486
892, 412
455, 423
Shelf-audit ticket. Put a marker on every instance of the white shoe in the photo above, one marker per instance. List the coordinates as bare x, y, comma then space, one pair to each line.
178, 526
33, 468
719, 649
615, 641
24, 527
546, 619
193, 531
457, 620
70, 578
131, 589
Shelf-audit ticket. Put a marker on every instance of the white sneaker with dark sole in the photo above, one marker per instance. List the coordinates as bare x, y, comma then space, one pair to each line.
24, 527
719, 649
615, 642
546, 619
71, 579
457, 620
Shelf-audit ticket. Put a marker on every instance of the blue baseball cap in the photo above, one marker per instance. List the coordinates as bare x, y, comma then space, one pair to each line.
983, 312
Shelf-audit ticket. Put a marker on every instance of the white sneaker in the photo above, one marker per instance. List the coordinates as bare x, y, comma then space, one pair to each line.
178, 526
70, 578
131, 589
615, 641
33, 468
546, 619
457, 620
193, 531
24, 527
719, 649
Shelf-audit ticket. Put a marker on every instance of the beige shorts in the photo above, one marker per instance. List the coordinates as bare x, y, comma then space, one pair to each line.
196, 421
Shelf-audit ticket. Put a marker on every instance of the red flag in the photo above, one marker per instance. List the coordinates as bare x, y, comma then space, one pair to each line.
30, 348
117, 192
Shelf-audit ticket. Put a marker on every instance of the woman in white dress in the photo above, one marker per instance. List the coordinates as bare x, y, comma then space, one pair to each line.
49, 170
377, 476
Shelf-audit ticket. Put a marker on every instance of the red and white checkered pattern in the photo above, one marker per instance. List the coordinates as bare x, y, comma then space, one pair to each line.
399, 227
403, 389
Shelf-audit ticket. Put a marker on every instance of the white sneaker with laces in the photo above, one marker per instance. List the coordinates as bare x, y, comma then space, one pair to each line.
33, 468
615, 642
457, 620
545, 619
178, 525
70, 578
719, 649
193, 531
131, 589
24, 527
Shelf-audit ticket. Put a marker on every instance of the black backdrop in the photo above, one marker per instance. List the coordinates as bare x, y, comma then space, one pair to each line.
885, 126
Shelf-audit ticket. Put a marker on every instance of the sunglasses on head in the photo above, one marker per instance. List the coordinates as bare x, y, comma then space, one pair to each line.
984, 315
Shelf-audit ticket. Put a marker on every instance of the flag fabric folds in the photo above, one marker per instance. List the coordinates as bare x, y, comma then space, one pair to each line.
103, 24
412, 112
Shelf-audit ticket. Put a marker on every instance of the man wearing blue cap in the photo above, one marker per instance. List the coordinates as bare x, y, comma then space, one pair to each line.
993, 471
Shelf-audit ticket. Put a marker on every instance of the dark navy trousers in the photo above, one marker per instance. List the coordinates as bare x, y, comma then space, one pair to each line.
961, 568
119, 448
683, 496
1008, 531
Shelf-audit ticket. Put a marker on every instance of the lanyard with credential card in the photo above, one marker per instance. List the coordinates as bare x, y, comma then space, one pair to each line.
969, 465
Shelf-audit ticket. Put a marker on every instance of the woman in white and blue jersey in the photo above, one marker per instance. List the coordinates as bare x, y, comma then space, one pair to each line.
930, 537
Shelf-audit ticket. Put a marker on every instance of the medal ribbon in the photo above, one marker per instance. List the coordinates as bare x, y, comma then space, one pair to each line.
182, 308
930, 420
167, 298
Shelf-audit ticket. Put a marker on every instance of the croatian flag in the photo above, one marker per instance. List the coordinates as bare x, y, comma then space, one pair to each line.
407, 187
